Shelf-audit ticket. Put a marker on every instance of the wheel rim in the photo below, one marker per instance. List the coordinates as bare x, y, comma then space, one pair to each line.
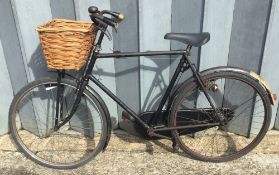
244, 128
74, 143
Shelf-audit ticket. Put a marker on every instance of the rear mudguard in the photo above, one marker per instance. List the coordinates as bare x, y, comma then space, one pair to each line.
251, 74
272, 97
107, 115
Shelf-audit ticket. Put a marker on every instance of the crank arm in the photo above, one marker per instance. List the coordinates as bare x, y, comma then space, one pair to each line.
187, 127
151, 133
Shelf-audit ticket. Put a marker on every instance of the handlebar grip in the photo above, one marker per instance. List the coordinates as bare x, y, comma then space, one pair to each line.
110, 22
117, 15
121, 16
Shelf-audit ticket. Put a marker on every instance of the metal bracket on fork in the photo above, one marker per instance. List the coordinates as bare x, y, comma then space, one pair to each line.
59, 100
80, 88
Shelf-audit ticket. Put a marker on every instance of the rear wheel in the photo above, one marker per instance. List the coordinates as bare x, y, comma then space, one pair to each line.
32, 121
240, 100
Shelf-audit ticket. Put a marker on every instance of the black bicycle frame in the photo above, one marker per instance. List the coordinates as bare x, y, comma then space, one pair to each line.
183, 65
166, 95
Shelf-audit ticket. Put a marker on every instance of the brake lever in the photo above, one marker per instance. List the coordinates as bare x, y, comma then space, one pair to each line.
117, 24
108, 35
115, 29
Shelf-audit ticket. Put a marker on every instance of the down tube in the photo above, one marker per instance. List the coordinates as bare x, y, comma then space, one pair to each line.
118, 101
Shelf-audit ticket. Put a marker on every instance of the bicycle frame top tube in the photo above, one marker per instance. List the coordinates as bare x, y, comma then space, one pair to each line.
119, 54
183, 65
95, 55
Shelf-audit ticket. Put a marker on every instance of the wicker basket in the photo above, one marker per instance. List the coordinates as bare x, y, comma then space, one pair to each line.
66, 43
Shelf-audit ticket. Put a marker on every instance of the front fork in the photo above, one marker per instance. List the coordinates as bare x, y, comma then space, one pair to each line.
81, 85
59, 99
80, 89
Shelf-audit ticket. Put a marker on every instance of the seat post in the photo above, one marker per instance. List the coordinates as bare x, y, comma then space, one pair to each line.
189, 50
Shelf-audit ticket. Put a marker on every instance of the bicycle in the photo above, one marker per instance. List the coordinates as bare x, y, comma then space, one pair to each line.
70, 123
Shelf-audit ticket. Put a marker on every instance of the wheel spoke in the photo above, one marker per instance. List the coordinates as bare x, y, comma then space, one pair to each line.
74, 143
242, 113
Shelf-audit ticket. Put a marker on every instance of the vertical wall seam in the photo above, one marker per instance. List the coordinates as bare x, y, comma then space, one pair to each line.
50, 6
19, 35
265, 35
118, 108
9, 95
139, 65
231, 35
76, 8
201, 29
114, 74
9, 74
170, 58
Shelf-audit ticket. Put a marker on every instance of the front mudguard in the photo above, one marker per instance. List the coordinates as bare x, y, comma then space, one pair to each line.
103, 104
105, 108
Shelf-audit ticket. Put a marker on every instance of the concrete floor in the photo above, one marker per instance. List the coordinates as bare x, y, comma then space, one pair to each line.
131, 155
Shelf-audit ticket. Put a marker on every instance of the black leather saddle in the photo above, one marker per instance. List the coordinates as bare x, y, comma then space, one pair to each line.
193, 39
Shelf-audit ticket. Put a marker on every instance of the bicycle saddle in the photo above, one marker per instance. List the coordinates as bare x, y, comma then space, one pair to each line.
193, 39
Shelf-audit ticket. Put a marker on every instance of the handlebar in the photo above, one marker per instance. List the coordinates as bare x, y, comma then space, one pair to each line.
117, 15
98, 18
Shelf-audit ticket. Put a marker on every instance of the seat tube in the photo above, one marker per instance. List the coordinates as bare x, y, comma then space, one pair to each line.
178, 70
201, 83
59, 101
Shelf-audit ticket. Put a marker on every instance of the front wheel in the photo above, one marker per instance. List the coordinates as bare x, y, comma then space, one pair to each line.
32, 119
242, 103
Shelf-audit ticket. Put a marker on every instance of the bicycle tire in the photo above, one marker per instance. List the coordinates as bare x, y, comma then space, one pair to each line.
78, 140
194, 142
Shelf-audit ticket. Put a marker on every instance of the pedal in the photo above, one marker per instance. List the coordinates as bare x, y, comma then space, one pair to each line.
126, 116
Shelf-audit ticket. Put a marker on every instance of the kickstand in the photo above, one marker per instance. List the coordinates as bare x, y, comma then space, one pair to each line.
175, 146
